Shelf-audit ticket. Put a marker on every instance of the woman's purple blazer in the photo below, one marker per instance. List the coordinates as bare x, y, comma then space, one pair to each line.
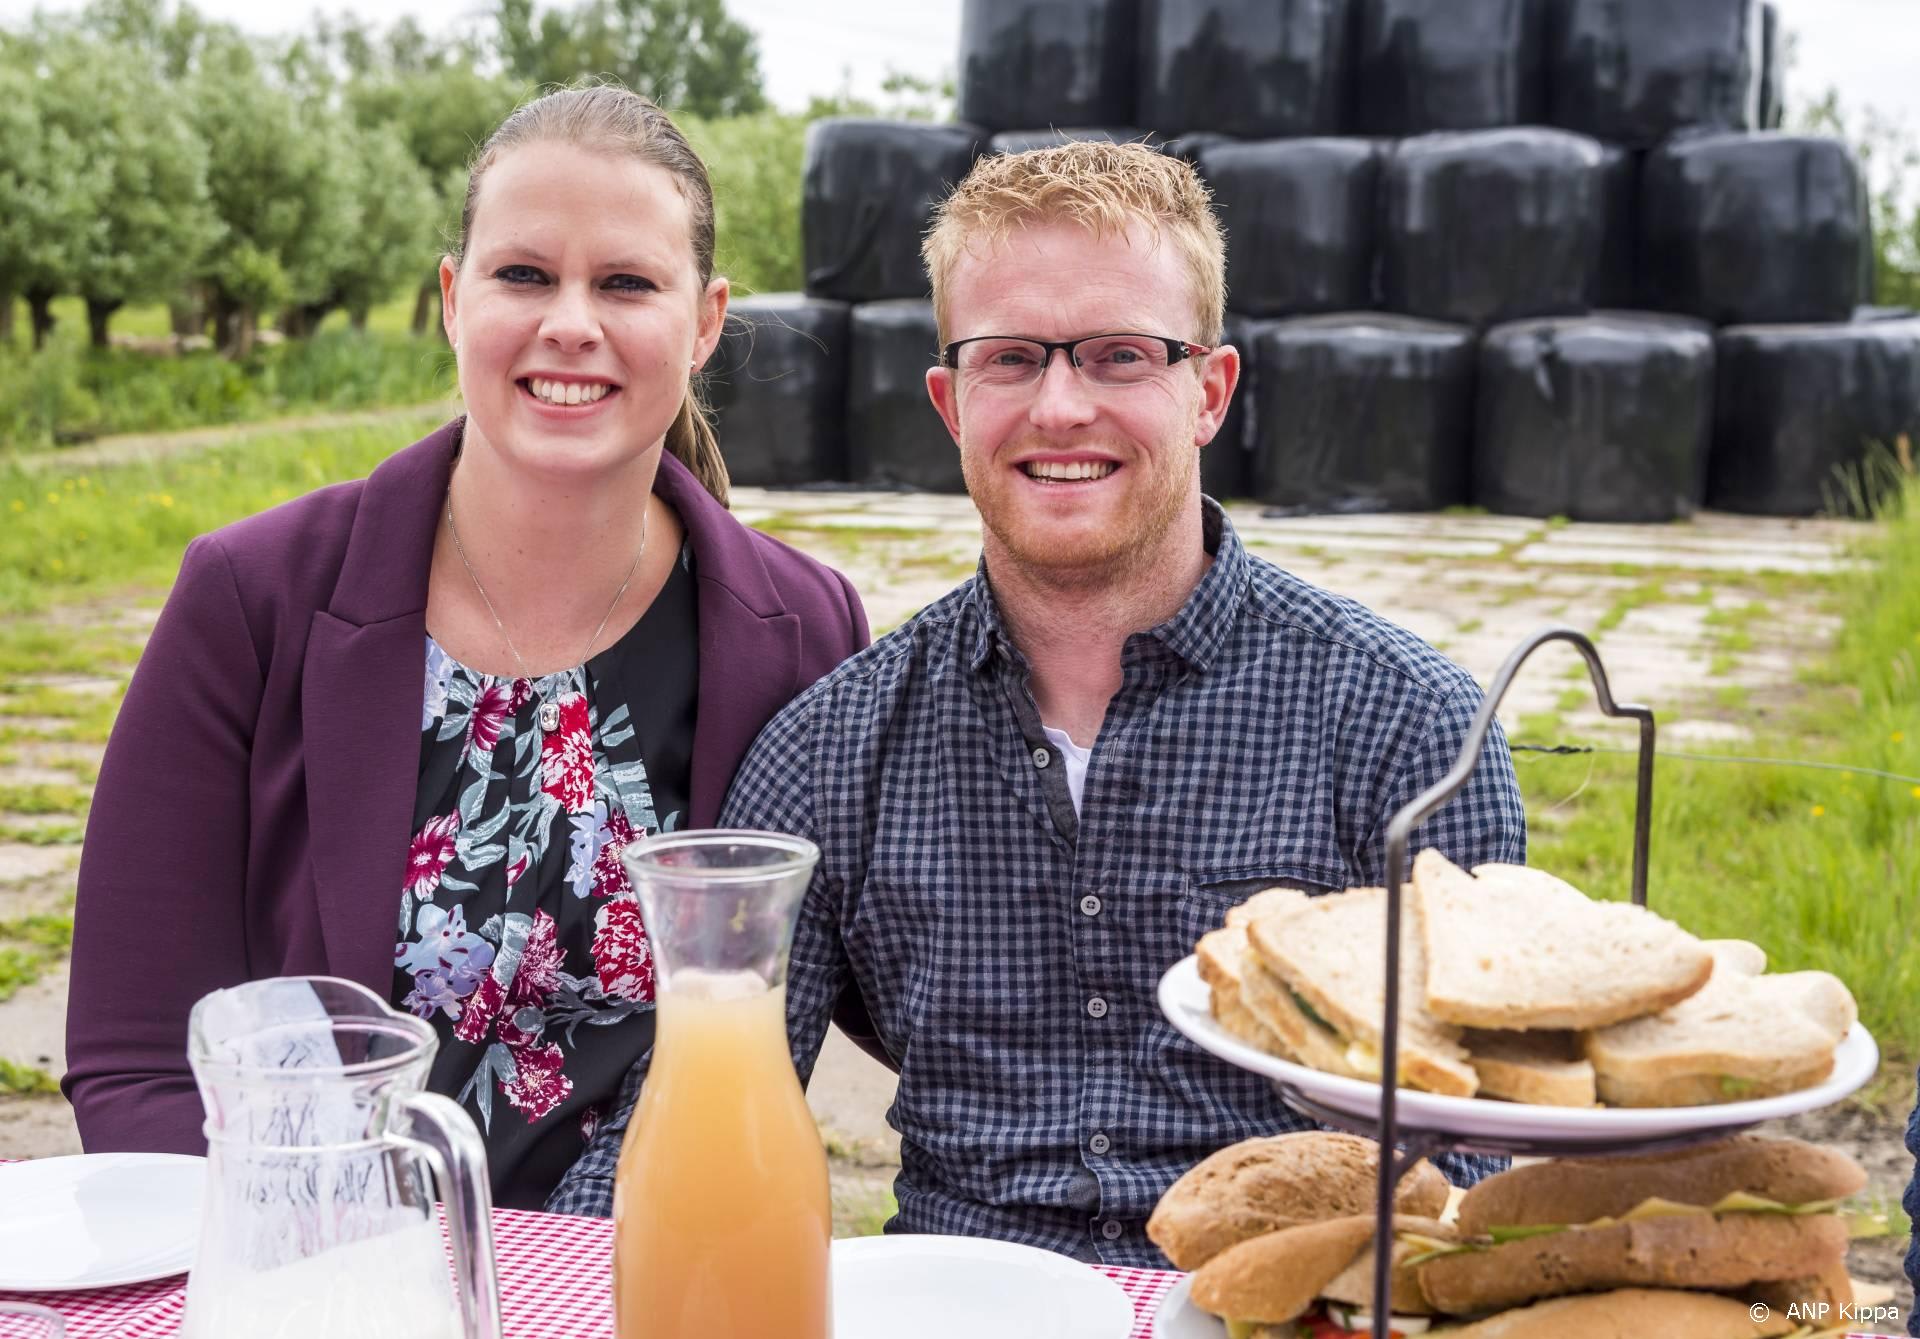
252, 814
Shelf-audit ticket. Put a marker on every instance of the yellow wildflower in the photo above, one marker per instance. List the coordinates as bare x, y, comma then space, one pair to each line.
1898, 736
166, 499
18, 505
1819, 809
57, 565
54, 498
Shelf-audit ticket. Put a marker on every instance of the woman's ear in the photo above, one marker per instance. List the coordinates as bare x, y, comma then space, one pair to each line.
448, 273
713, 319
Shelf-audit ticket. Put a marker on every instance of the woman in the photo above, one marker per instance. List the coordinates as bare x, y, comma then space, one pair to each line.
445, 697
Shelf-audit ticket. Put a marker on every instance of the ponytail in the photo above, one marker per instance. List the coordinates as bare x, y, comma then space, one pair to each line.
693, 444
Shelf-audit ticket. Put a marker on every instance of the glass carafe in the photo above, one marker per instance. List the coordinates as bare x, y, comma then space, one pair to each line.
318, 1217
722, 1221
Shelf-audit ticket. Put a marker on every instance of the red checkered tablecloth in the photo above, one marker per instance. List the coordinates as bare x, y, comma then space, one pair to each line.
553, 1285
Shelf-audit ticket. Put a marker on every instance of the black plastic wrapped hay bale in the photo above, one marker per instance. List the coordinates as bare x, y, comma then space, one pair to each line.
1806, 416
1637, 71
1189, 147
1616, 282
1019, 141
1597, 418
1299, 215
1362, 412
895, 438
1425, 65
1259, 69
777, 385
1773, 68
1748, 229
1226, 462
1047, 62
869, 191
1492, 225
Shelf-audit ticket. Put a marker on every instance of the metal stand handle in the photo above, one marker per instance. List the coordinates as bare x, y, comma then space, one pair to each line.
1398, 833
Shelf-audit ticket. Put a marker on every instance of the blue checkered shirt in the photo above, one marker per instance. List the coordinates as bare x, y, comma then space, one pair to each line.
1008, 950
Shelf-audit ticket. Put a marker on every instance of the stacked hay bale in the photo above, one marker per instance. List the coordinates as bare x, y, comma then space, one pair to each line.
1548, 256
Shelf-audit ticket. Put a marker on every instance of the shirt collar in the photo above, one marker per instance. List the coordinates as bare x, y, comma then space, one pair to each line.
1195, 634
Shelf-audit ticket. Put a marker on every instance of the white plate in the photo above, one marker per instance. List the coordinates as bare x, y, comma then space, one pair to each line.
968, 1287
1178, 1318
98, 1220
1185, 998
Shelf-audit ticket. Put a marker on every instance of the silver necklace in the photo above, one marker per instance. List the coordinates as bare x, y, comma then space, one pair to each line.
549, 711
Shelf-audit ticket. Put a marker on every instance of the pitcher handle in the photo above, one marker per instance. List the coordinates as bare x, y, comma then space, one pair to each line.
437, 1130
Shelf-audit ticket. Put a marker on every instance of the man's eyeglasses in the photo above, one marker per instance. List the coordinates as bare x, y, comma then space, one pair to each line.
1102, 360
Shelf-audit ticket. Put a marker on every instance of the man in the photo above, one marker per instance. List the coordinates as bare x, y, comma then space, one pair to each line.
1036, 795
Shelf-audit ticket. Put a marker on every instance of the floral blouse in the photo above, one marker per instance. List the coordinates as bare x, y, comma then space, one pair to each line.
520, 937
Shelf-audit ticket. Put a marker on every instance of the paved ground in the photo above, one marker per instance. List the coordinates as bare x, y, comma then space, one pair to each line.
1706, 621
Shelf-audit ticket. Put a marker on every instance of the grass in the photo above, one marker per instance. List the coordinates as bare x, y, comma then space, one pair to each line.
1820, 869
70, 392
29, 946
26, 1080
72, 533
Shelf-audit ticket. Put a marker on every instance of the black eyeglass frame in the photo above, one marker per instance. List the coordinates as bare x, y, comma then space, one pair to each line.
1178, 350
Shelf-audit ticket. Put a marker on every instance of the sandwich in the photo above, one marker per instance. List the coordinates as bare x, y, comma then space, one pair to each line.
1723, 1217
1544, 1068
1221, 955
1329, 958
1681, 1243
1744, 1035
1264, 1185
1513, 948
1316, 1279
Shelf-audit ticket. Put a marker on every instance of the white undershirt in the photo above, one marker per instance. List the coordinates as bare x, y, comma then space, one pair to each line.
1076, 759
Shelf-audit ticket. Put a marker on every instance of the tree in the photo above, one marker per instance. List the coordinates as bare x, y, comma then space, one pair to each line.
688, 55
1890, 160
50, 190
281, 178
398, 208
442, 112
153, 222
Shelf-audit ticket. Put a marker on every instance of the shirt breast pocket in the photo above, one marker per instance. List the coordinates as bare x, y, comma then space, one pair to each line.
1210, 895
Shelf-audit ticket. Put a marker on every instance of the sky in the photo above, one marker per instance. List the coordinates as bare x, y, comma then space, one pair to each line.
1867, 48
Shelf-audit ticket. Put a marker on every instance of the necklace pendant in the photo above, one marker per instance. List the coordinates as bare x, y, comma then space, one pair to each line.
549, 716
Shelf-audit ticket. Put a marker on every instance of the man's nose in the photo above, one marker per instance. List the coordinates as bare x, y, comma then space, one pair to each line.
1062, 398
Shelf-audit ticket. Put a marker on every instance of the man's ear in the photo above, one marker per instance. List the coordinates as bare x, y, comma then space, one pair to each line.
1219, 375
946, 398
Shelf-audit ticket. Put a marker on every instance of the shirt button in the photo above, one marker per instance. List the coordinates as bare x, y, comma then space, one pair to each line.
1090, 905
1097, 1007
1100, 1144
1111, 1229
1041, 758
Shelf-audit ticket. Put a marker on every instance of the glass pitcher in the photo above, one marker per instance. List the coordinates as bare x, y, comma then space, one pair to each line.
722, 1220
317, 1217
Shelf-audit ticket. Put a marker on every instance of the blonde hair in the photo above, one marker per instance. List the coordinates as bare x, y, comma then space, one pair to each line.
1106, 188
605, 116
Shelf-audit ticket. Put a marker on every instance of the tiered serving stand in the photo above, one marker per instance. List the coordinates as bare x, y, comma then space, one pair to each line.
1410, 1125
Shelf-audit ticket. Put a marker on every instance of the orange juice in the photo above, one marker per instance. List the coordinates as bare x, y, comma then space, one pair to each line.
722, 1222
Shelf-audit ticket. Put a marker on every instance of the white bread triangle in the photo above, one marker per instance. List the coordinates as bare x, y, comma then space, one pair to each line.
1743, 1036
1332, 952
1543, 1068
1220, 954
1267, 902
1516, 948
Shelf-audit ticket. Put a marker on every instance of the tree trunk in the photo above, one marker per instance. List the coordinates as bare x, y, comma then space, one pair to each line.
357, 318
99, 312
6, 316
245, 322
423, 307
224, 315
40, 308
